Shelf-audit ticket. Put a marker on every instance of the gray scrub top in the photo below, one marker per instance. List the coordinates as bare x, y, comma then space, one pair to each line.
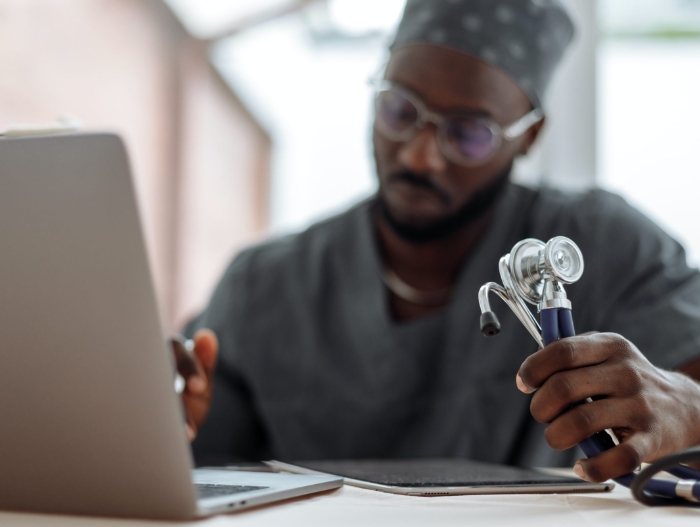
312, 365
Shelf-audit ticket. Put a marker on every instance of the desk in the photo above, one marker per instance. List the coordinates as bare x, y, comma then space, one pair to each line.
365, 508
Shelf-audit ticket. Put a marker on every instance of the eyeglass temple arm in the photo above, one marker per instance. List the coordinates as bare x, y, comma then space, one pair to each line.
522, 125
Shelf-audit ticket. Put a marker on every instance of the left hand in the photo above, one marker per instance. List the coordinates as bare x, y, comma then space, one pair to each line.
653, 412
197, 367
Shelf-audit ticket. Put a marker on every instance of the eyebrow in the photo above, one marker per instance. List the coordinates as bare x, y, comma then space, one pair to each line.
469, 113
456, 111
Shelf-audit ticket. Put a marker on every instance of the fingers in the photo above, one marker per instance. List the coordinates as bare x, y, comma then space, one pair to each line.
568, 354
582, 421
184, 361
196, 360
190, 431
206, 348
569, 387
615, 462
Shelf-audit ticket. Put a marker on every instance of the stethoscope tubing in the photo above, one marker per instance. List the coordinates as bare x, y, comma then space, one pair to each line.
675, 493
558, 323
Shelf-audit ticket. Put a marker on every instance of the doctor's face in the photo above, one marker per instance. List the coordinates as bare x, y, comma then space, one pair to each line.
432, 174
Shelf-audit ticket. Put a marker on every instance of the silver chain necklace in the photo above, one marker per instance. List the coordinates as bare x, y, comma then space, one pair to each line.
410, 294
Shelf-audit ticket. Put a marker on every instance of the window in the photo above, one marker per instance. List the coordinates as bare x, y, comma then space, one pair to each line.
649, 81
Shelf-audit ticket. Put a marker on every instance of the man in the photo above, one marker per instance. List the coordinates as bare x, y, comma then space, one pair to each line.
360, 337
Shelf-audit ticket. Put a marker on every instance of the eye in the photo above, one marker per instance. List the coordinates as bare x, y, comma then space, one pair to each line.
395, 110
471, 137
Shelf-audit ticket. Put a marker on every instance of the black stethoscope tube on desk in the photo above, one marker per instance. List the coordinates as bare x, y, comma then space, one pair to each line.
534, 272
655, 492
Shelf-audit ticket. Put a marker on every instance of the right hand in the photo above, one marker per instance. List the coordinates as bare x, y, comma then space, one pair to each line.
196, 362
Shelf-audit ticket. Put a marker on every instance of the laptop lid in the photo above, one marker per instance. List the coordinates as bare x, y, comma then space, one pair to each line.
90, 421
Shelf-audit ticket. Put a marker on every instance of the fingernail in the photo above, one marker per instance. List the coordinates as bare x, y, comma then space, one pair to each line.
190, 433
196, 384
521, 385
578, 470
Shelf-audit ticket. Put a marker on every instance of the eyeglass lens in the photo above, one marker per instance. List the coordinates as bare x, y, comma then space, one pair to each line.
466, 137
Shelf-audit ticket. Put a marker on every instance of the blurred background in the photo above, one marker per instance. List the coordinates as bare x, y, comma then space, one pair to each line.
251, 118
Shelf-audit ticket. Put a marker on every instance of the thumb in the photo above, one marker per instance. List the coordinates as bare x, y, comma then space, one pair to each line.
206, 348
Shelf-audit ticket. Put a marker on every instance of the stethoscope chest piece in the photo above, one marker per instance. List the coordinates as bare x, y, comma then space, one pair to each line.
563, 260
532, 263
533, 272
524, 267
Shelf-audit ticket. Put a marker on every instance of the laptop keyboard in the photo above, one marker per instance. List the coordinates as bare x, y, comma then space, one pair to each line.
211, 490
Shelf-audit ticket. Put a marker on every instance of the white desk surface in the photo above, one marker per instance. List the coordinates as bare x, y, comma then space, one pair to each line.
364, 508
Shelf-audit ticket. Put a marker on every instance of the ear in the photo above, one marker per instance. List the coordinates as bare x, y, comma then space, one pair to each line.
530, 137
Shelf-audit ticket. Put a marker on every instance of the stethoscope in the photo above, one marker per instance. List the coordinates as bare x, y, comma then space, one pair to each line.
535, 272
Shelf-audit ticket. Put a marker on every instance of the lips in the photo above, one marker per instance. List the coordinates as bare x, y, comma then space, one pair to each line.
408, 200
418, 187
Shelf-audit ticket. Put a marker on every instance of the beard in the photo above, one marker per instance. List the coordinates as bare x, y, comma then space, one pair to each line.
474, 209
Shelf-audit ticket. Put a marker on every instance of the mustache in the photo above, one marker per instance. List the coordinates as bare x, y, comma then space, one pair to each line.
479, 204
423, 181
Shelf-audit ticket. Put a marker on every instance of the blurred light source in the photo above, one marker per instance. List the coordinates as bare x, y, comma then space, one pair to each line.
649, 17
204, 18
362, 17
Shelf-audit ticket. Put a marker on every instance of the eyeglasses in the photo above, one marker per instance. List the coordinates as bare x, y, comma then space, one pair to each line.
463, 138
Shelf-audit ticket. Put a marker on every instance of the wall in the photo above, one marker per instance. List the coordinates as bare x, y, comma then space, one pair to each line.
125, 65
223, 200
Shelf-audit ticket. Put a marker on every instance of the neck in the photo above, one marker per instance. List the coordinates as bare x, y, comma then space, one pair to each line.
433, 265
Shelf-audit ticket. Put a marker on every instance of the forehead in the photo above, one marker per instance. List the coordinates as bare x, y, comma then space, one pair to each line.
450, 80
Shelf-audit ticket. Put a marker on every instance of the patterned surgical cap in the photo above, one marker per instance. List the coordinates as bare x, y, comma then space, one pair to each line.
524, 38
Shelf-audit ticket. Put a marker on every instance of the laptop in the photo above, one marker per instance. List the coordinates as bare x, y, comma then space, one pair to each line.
90, 420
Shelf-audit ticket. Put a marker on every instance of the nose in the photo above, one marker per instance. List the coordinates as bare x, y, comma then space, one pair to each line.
422, 153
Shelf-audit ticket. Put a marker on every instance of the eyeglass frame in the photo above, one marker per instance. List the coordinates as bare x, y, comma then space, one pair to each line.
427, 116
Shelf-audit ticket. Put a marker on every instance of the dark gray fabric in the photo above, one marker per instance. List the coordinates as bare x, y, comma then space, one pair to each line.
312, 365
524, 38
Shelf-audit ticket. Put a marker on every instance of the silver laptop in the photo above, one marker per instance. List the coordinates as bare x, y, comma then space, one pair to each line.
90, 420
